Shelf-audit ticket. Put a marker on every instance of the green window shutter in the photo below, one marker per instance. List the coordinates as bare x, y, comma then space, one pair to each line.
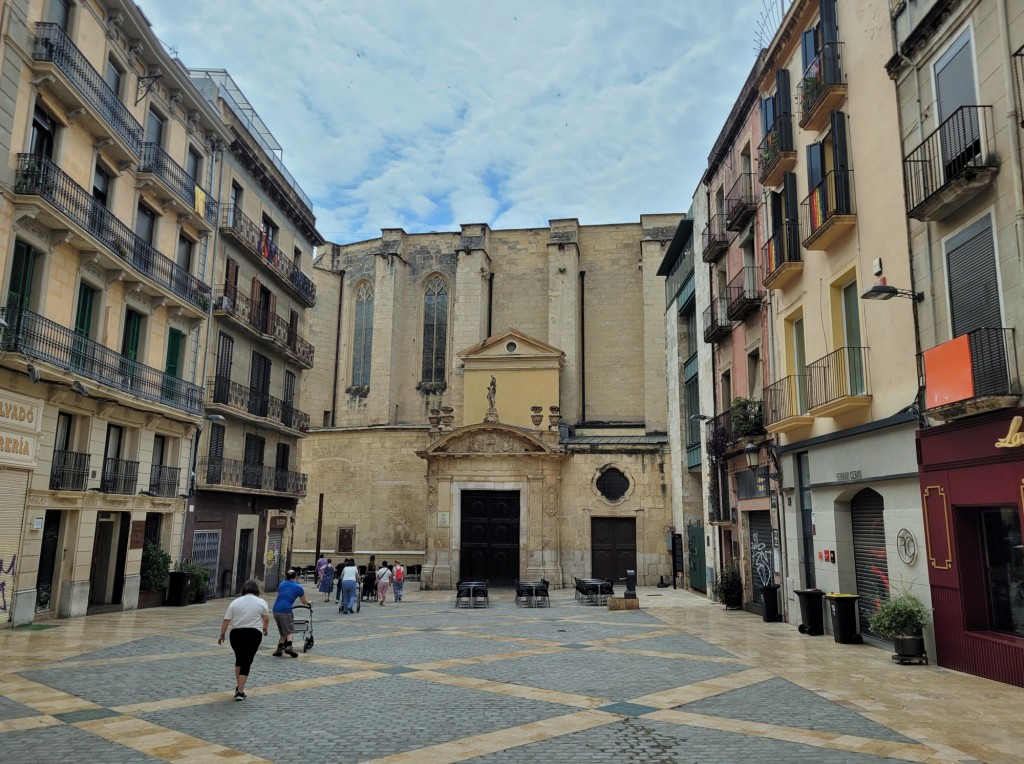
132, 330
20, 290
174, 338
83, 318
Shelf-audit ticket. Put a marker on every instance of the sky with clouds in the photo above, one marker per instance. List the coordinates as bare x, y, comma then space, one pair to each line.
426, 114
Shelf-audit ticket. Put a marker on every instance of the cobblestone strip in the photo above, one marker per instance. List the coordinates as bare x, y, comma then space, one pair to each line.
42, 698
512, 690
827, 740
164, 743
513, 737
707, 688
453, 662
662, 654
270, 689
499, 638
27, 723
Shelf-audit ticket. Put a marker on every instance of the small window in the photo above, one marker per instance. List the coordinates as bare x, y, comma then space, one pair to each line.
112, 75
346, 540
154, 128
511, 347
44, 131
193, 164
100, 185
612, 484
145, 223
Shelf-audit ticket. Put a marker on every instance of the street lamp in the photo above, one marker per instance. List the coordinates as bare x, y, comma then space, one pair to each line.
752, 454
882, 291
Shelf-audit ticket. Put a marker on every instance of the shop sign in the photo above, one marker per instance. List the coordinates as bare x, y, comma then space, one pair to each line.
278, 523
1014, 438
20, 425
138, 536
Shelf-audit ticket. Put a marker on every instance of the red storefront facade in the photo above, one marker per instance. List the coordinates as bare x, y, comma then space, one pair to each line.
972, 489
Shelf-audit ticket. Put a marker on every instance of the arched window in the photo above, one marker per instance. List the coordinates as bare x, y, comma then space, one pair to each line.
362, 338
435, 329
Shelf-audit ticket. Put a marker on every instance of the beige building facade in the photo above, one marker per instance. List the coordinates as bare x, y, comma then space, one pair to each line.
493, 403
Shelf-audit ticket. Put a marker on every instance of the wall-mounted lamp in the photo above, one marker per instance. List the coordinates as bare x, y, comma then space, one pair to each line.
698, 417
79, 388
752, 455
33, 373
882, 291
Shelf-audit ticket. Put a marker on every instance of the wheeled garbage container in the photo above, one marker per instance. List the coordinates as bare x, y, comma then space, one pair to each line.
179, 586
812, 621
770, 595
843, 608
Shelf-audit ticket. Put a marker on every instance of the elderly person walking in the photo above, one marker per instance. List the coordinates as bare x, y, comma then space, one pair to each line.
383, 579
248, 618
327, 580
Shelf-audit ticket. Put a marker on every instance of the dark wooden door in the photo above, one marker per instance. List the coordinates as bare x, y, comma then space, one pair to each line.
490, 537
612, 546
47, 560
244, 550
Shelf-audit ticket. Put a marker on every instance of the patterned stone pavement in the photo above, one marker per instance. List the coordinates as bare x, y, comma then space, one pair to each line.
679, 681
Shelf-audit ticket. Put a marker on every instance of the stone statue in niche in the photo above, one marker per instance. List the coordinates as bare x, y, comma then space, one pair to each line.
491, 417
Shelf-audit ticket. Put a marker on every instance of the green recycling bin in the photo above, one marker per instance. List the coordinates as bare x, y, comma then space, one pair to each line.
843, 608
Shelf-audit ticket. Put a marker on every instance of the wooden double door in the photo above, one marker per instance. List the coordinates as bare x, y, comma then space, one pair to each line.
612, 547
490, 537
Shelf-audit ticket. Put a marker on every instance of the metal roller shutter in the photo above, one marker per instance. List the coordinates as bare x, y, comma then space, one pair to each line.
869, 553
761, 558
13, 486
272, 574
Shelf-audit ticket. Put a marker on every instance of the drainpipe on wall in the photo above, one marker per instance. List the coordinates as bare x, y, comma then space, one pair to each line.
337, 350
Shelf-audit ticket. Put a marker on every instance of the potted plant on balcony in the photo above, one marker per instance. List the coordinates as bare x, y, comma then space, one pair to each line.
747, 417
901, 617
728, 587
156, 565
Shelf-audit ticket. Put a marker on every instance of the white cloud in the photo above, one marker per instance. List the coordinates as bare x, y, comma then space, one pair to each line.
428, 115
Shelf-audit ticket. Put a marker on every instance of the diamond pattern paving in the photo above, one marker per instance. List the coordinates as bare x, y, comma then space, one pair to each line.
67, 744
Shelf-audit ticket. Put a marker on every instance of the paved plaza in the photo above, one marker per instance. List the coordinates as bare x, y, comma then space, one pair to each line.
680, 680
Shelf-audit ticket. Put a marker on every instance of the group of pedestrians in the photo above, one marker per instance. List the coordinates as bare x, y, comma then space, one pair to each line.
248, 617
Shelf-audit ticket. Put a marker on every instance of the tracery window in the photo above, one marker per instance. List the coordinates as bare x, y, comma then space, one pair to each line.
362, 340
435, 330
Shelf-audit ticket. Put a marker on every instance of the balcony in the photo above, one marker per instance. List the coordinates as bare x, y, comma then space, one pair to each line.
838, 383
232, 302
163, 481
69, 471
119, 476
785, 405
740, 202
62, 69
743, 295
227, 474
971, 374
828, 213
101, 235
43, 340
952, 165
823, 88
776, 154
234, 399
716, 321
715, 239
187, 195
251, 238
781, 257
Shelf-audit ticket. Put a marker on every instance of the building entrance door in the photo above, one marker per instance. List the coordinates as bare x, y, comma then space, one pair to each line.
612, 546
759, 526
490, 537
47, 560
696, 557
244, 550
867, 511
109, 552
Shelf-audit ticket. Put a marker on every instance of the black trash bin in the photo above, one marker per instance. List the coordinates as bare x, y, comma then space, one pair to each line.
770, 595
843, 608
812, 621
179, 587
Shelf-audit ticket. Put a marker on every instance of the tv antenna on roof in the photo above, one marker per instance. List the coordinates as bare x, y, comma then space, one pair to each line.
768, 21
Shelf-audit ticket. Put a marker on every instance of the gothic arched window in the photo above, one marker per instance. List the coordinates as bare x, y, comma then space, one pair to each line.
435, 329
362, 338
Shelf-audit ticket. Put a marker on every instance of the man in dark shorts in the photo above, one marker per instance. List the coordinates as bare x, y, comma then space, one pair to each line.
289, 591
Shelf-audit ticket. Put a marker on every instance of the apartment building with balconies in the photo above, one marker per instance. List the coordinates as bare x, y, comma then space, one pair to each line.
840, 401
247, 478
105, 268
958, 68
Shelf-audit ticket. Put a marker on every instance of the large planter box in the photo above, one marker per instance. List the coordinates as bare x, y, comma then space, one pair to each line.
154, 598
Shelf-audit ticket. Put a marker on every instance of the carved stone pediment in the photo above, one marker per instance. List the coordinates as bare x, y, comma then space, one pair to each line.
487, 439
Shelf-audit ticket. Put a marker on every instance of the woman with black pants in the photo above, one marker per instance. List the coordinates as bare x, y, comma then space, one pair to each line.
248, 618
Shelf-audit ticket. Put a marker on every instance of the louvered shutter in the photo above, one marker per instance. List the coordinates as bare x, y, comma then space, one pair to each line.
840, 163
829, 27
254, 305
19, 292
869, 554
791, 232
231, 281
973, 288
271, 312
225, 351
13, 487
784, 109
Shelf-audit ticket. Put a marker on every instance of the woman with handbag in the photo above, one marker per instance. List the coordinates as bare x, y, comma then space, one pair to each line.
383, 579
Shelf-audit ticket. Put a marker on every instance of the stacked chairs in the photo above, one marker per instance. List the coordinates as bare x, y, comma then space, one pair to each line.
467, 593
593, 591
533, 593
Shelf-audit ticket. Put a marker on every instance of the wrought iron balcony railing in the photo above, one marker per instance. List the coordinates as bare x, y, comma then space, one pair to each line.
782, 248
843, 373
253, 237
743, 293
233, 301
715, 239
740, 202
962, 144
69, 472
157, 161
823, 87
776, 145
43, 340
38, 176
53, 44
785, 399
716, 320
232, 473
224, 392
119, 476
993, 381
828, 202
163, 481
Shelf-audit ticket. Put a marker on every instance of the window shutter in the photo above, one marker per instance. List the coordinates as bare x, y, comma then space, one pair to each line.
954, 77
829, 41
225, 350
791, 232
83, 318
784, 109
173, 352
216, 441
254, 304
815, 165
20, 290
272, 311
973, 288
130, 340
231, 280
840, 162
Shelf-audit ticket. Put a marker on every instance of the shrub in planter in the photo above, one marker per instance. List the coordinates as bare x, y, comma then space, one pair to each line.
728, 588
156, 564
200, 578
901, 618
747, 416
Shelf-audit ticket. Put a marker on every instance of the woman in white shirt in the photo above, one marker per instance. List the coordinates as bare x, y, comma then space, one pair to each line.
247, 617
383, 579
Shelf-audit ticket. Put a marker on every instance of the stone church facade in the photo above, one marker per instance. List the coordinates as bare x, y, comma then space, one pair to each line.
492, 404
